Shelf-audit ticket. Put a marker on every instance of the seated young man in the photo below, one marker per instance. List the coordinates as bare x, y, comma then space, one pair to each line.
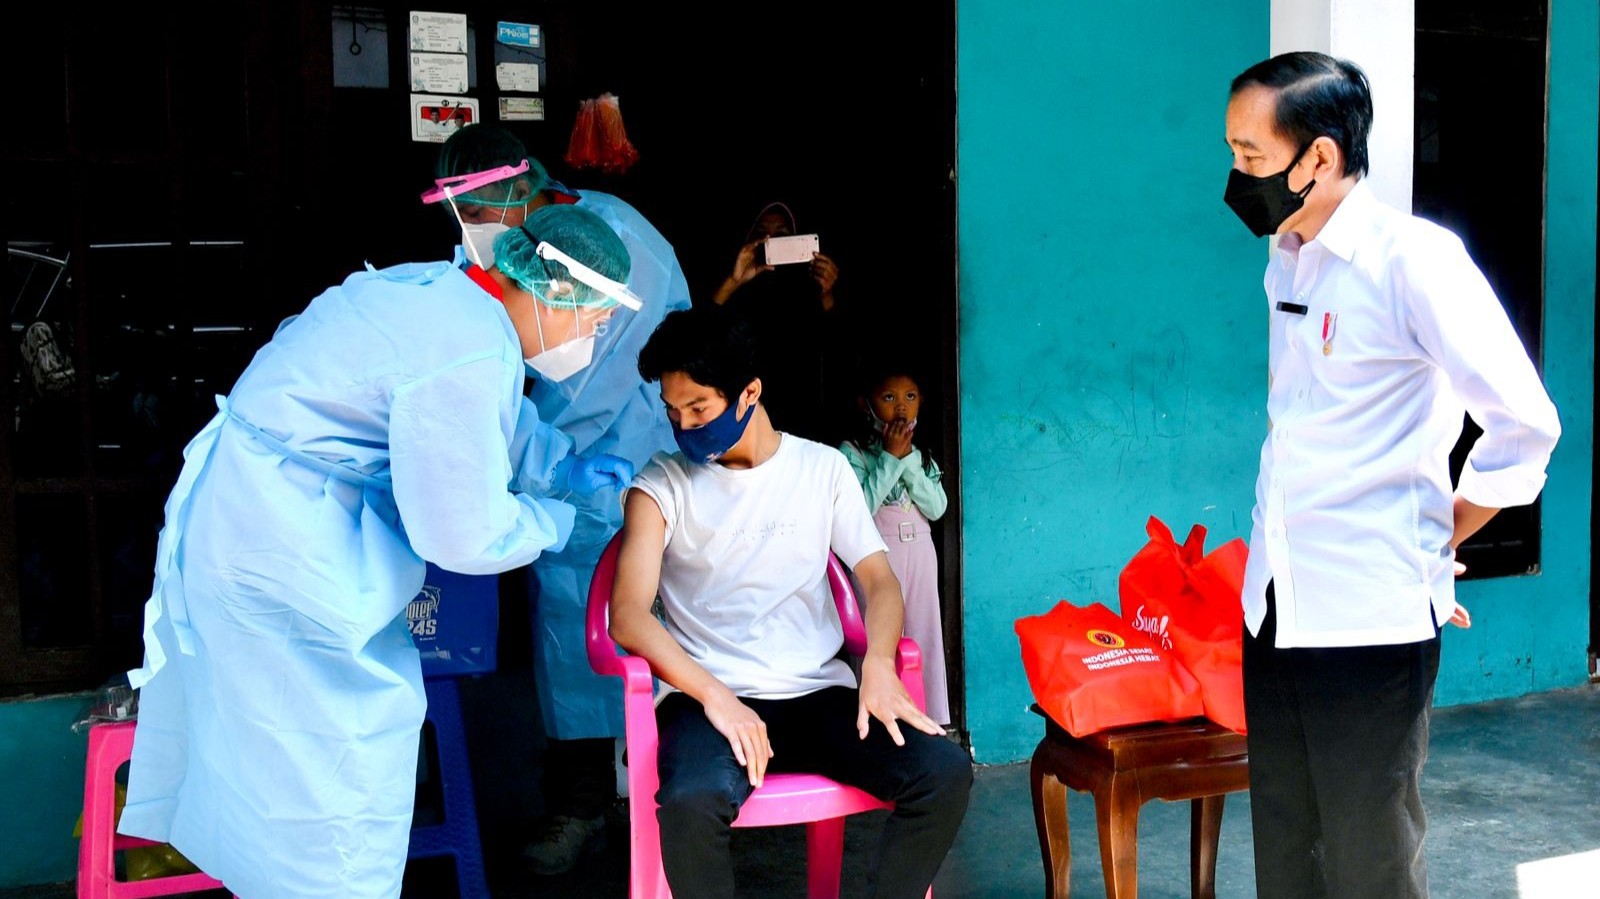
734, 533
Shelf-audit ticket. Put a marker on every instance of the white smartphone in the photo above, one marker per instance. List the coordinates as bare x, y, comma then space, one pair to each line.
786, 250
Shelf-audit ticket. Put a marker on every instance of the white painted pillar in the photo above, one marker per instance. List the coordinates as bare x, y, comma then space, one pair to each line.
1380, 37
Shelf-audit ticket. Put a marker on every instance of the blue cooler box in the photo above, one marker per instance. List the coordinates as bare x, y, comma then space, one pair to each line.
455, 622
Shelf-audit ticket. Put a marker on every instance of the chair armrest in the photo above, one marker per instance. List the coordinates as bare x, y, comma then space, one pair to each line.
637, 679
641, 737
908, 664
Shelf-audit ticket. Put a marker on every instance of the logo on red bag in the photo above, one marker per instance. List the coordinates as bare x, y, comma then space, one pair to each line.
1155, 627
1106, 639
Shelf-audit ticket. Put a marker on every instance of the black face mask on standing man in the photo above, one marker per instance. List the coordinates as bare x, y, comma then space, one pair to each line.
1265, 203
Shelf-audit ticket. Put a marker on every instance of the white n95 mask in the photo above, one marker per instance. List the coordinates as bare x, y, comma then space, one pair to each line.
560, 363
479, 242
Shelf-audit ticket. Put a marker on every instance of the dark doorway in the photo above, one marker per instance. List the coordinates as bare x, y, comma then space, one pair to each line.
197, 179
851, 125
1479, 171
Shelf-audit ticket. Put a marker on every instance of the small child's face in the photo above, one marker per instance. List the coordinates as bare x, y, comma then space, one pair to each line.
896, 398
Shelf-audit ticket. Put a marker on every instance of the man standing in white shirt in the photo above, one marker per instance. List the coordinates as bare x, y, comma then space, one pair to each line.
734, 533
1382, 333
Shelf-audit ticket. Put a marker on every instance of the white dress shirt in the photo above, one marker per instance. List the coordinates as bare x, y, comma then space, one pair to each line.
1366, 389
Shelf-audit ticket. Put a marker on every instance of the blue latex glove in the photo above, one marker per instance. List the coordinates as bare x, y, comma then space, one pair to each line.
599, 472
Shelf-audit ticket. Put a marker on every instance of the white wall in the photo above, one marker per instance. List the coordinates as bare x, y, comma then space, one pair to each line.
1380, 37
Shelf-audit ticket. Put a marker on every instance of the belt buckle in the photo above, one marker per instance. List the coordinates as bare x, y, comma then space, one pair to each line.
908, 532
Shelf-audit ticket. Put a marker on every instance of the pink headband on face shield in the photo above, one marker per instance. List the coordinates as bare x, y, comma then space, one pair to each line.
456, 185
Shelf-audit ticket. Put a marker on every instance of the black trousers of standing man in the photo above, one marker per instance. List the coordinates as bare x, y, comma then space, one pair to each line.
1337, 740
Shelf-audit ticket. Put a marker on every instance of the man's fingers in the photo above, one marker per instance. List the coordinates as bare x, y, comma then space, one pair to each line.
738, 750
861, 720
894, 729
889, 723
923, 723
753, 755
907, 711
762, 753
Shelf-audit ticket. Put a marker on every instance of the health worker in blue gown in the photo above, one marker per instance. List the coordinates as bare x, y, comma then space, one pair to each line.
282, 698
489, 183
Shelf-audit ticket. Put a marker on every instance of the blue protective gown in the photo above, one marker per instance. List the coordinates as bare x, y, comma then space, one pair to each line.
282, 699
606, 408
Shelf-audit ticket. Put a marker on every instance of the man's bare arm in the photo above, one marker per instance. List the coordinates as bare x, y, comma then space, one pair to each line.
636, 630
882, 695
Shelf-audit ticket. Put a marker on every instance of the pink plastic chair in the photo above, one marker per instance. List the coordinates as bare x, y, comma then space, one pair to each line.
110, 747
815, 801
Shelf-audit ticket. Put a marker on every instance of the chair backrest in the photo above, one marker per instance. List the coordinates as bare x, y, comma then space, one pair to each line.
603, 651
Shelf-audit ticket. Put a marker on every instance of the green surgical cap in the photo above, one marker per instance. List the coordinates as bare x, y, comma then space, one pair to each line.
577, 232
478, 148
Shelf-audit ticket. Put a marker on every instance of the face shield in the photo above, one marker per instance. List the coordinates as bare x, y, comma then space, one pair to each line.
502, 188
558, 281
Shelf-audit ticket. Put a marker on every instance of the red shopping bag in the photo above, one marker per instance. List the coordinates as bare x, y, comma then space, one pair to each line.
1188, 602
1091, 670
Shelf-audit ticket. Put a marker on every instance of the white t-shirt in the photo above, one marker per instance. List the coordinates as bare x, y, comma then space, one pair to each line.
744, 577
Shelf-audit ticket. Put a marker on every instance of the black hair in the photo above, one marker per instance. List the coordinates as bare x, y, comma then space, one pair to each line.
1318, 96
875, 370
710, 344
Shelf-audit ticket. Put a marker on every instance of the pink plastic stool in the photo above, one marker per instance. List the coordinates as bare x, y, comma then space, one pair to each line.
110, 746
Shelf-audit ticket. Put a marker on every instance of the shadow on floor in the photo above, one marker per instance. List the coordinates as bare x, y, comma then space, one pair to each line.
1512, 790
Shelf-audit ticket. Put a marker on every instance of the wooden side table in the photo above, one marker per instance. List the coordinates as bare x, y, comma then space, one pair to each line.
1124, 768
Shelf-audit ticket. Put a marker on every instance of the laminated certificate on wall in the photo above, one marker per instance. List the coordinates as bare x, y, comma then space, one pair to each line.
434, 118
516, 76
519, 50
438, 73
521, 109
438, 32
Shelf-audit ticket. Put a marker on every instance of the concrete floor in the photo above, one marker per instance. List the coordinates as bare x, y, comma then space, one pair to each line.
1512, 790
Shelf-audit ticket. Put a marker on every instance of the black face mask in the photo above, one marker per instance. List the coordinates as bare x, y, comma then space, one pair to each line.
1265, 203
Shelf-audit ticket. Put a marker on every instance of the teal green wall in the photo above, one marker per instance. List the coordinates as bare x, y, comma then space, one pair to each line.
1113, 360
1531, 633
1113, 351
41, 765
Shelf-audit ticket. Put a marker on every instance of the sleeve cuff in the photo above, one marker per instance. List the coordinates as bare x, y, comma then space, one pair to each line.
654, 491
1500, 489
564, 515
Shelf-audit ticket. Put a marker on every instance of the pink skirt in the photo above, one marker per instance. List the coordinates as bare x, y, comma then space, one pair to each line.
916, 565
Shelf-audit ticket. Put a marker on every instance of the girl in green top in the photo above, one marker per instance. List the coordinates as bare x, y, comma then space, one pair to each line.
902, 488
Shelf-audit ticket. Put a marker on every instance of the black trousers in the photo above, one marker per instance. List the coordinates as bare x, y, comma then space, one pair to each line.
1337, 741
702, 788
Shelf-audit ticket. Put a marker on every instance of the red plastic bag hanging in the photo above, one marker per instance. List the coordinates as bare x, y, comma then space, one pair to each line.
1090, 670
1188, 602
599, 139
583, 148
617, 153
